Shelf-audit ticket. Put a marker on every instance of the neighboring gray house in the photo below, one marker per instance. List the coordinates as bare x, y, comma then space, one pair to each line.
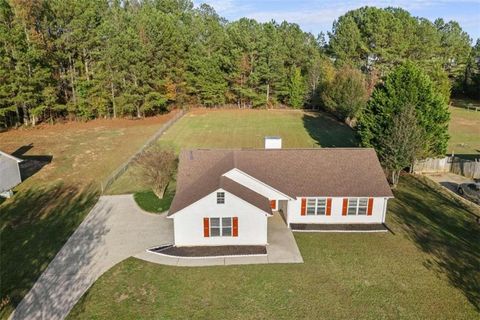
9, 174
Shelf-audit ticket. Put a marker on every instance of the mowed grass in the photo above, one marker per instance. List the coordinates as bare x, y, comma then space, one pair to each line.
67, 162
148, 200
248, 128
426, 268
464, 130
233, 128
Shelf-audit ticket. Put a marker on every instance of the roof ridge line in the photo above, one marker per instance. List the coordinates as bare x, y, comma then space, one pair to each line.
281, 149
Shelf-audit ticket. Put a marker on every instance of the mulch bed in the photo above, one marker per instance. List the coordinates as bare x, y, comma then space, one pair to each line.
338, 227
210, 251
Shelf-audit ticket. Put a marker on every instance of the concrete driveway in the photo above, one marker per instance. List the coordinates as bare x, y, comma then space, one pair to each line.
450, 180
114, 230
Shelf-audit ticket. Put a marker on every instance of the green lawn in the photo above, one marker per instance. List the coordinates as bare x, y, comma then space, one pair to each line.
427, 268
246, 129
148, 201
464, 130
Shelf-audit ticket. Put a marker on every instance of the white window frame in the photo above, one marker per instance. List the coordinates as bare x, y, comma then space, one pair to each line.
316, 207
220, 197
358, 208
220, 227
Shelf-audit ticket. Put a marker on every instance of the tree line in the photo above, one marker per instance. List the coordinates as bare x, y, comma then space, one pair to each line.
84, 59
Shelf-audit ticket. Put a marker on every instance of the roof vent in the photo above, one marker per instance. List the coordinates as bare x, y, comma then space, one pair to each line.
273, 142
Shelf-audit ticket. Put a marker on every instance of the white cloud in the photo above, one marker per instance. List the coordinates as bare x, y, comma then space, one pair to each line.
224, 7
316, 15
313, 12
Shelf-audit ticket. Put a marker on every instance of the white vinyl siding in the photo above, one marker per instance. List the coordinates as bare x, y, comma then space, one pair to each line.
379, 204
189, 225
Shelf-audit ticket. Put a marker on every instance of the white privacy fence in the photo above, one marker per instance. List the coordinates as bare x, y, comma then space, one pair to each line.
466, 168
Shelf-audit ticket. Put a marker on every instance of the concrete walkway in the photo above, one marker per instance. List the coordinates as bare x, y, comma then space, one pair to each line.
114, 230
282, 248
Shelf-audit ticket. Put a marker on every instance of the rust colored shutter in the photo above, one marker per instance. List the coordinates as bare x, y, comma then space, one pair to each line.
329, 206
304, 207
235, 227
273, 204
345, 206
370, 206
206, 227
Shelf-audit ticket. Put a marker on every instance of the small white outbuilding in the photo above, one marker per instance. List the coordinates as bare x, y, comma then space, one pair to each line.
9, 174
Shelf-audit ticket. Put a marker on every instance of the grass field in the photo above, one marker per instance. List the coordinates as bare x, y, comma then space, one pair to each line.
464, 130
203, 128
68, 161
427, 268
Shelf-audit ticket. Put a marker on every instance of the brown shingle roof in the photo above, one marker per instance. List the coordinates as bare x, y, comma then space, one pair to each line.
335, 172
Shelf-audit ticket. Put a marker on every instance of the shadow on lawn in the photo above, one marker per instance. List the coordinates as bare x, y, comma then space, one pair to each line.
327, 131
31, 163
441, 227
34, 225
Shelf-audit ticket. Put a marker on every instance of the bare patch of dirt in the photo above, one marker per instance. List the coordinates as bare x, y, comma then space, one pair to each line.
123, 296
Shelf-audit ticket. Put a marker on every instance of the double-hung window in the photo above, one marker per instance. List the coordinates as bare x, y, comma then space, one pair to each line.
221, 227
357, 206
316, 206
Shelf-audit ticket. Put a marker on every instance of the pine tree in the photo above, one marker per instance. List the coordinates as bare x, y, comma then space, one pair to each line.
296, 89
407, 86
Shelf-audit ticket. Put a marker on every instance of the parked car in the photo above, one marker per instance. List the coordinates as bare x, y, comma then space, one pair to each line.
470, 191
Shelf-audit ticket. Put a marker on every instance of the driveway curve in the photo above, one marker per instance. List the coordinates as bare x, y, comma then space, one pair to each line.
115, 229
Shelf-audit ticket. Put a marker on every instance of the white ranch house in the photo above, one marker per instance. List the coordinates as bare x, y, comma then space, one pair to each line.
225, 197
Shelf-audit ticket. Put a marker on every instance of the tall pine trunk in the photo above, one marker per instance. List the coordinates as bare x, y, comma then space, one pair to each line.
85, 61
26, 118
72, 80
268, 94
113, 99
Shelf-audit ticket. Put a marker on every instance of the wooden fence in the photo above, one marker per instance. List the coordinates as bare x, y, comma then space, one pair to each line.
123, 167
466, 168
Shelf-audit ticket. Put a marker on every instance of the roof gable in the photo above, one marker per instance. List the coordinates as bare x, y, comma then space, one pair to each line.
237, 190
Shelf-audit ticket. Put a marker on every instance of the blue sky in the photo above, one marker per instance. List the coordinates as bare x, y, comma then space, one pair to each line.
318, 15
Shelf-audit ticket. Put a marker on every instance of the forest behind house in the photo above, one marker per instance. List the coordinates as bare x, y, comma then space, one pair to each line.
86, 59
